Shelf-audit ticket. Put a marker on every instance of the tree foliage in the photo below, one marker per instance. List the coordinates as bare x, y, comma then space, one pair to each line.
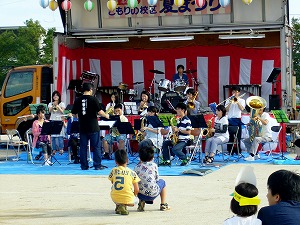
296, 48
28, 45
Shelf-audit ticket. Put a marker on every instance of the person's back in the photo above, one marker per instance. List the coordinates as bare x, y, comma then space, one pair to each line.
284, 199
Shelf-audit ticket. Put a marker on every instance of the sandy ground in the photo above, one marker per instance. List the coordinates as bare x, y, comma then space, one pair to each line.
48, 199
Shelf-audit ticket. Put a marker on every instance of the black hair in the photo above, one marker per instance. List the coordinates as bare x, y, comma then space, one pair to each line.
152, 109
118, 106
121, 156
58, 94
286, 184
40, 108
190, 91
236, 88
222, 109
146, 93
116, 97
146, 151
246, 190
181, 105
180, 66
87, 87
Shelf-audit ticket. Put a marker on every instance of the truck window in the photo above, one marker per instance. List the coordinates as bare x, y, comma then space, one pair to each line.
14, 107
18, 83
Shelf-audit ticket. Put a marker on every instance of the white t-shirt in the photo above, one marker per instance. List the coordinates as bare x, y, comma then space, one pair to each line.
219, 125
57, 116
266, 129
234, 110
157, 139
236, 220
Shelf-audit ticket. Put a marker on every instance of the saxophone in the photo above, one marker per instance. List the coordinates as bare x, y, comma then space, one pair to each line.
174, 136
140, 136
206, 131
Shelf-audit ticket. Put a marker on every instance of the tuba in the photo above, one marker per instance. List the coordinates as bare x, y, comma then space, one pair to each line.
174, 136
140, 136
255, 103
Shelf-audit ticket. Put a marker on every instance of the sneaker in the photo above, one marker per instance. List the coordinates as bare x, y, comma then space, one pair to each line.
249, 158
257, 156
117, 210
184, 162
123, 210
141, 206
165, 163
48, 163
164, 207
297, 157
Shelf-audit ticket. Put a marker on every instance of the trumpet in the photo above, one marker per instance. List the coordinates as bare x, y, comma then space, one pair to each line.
235, 99
140, 136
191, 104
54, 107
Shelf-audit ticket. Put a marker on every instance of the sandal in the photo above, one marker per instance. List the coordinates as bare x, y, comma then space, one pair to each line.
61, 152
210, 160
205, 159
37, 157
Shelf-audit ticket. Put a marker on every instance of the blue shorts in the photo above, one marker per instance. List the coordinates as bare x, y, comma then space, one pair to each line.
161, 183
111, 139
57, 143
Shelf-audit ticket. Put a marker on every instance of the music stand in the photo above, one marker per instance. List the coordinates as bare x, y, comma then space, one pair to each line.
52, 127
154, 121
198, 121
75, 85
74, 130
108, 124
273, 76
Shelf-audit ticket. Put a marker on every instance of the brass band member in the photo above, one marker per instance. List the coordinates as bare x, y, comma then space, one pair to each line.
183, 129
115, 135
264, 136
114, 100
151, 133
220, 136
145, 102
180, 75
193, 106
234, 107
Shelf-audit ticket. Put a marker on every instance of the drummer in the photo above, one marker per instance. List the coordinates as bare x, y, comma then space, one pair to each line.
145, 102
180, 75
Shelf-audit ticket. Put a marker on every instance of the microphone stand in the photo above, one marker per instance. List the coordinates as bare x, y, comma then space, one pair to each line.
150, 88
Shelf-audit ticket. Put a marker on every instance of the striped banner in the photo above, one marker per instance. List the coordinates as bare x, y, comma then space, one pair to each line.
216, 66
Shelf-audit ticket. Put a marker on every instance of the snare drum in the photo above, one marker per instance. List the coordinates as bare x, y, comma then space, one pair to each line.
179, 85
132, 92
164, 85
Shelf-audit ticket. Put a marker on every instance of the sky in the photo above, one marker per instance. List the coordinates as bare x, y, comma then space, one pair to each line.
16, 12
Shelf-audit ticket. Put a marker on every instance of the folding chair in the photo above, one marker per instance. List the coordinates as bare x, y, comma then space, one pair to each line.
233, 130
273, 143
14, 140
31, 152
196, 147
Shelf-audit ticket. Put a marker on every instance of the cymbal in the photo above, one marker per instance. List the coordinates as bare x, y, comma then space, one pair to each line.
156, 71
123, 86
190, 71
138, 82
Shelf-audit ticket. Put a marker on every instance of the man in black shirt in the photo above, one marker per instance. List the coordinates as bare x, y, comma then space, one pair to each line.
86, 108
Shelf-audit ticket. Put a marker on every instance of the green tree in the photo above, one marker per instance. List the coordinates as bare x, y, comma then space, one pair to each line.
296, 48
27, 45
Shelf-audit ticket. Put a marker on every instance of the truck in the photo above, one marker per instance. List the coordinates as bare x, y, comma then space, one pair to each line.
139, 47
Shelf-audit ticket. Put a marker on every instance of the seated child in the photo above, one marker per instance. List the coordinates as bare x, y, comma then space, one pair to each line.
150, 185
244, 204
122, 179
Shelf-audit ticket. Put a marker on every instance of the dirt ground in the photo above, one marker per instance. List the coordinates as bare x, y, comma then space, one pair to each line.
50, 199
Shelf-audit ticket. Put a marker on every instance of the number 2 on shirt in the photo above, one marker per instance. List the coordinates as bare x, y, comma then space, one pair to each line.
119, 183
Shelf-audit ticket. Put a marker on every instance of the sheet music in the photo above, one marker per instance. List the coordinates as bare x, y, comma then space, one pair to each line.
131, 108
106, 123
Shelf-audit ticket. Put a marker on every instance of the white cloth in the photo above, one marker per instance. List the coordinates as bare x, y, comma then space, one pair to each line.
219, 123
236, 220
157, 139
234, 110
266, 129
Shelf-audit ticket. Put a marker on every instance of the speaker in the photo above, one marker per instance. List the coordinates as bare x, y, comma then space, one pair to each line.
274, 102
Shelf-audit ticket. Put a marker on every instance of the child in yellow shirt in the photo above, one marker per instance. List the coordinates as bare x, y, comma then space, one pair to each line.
122, 179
